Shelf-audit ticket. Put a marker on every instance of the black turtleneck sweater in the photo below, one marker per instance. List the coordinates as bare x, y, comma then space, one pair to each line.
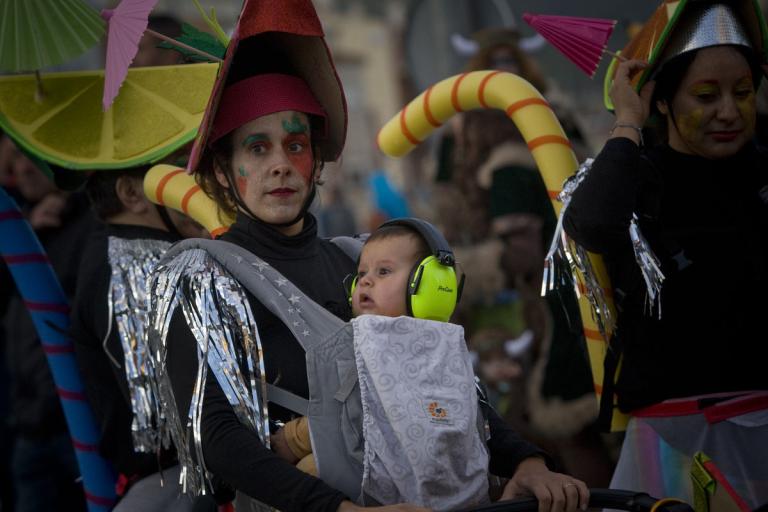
105, 383
707, 222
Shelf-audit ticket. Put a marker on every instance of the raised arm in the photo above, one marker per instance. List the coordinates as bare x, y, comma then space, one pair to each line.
601, 208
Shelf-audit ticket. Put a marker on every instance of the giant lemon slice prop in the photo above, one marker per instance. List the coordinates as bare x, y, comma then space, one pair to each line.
157, 111
545, 139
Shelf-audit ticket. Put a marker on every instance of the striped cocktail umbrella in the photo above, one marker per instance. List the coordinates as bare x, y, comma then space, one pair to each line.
48, 307
582, 40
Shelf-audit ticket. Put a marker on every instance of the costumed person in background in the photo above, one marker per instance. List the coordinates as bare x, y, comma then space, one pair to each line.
152, 51
503, 49
110, 316
399, 264
276, 115
496, 210
691, 331
44, 469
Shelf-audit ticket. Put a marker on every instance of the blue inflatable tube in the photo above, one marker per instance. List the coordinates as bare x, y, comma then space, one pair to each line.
47, 304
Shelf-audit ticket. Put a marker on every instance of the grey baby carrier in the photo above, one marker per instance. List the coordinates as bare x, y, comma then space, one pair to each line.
417, 436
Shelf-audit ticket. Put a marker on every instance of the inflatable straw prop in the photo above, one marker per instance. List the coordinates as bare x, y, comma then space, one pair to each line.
542, 133
48, 307
173, 187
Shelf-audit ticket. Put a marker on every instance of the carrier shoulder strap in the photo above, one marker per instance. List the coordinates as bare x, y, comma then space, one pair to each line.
309, 322
350, 245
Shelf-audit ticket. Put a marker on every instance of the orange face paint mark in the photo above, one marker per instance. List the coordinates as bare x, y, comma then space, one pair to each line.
299, 151
241, 180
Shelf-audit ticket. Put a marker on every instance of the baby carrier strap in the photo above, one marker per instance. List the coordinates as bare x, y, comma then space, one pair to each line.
351, 245
308, 321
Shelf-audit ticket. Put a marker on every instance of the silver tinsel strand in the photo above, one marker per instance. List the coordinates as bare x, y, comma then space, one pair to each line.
564, 249
581, 271
131, 262
649, 264
219, 316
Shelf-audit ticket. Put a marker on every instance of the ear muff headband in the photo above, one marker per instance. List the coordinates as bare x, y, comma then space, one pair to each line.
435, 240
433, 289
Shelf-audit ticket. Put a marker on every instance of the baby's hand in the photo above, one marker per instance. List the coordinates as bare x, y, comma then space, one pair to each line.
280, 446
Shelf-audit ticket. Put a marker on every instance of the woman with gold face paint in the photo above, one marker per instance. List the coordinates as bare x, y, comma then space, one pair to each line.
693, 361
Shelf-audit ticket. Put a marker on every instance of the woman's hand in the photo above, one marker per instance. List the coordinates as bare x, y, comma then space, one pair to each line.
554, 491
630, 108
48, 212
348, 506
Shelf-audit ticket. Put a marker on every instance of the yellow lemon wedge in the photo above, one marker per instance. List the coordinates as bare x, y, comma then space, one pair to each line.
157, 111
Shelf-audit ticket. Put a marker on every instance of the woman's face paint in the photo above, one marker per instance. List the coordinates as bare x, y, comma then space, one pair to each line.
272, 162
242, 181
297, 146
746, 101
714, 106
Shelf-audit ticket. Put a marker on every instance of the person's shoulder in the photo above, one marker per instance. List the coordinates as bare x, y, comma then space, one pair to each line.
93, 253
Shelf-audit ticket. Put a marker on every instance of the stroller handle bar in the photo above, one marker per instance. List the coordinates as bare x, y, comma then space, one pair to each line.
598, 498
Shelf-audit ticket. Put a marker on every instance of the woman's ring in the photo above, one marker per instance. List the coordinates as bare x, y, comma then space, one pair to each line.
568, 485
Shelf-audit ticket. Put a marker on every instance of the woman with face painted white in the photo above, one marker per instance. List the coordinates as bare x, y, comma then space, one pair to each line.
691, 362
276, 115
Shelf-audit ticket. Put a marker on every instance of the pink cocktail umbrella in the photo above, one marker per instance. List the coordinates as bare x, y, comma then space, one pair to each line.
126, 24
581, 40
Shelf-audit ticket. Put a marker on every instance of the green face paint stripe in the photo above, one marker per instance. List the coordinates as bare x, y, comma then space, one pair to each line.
242, 171
256, 137
294, 125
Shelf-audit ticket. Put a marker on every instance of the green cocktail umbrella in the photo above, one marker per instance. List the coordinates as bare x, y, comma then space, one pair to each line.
36, 34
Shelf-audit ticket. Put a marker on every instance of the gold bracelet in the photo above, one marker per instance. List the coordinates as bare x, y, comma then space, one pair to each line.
634, 127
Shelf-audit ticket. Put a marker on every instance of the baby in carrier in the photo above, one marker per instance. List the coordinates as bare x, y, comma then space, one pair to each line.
424, 439
393, 409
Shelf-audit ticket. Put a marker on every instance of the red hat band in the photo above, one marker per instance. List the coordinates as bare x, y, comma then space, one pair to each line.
261, 95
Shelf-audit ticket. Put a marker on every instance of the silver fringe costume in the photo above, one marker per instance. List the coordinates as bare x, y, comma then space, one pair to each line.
563, 248
217, 311
131, 262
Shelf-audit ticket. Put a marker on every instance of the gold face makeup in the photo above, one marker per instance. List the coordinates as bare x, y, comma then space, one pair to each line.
689, 125
746, 100
713, 109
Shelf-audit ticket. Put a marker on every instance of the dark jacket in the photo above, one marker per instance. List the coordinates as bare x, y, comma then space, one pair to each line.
707, 222
105, 383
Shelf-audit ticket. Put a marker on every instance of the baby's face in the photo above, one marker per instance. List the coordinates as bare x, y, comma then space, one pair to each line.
382, 276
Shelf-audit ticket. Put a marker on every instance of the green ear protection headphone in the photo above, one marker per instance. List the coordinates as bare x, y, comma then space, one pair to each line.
433, 289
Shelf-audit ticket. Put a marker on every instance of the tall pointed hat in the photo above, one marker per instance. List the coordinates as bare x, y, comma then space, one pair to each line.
679, 26
285, 37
